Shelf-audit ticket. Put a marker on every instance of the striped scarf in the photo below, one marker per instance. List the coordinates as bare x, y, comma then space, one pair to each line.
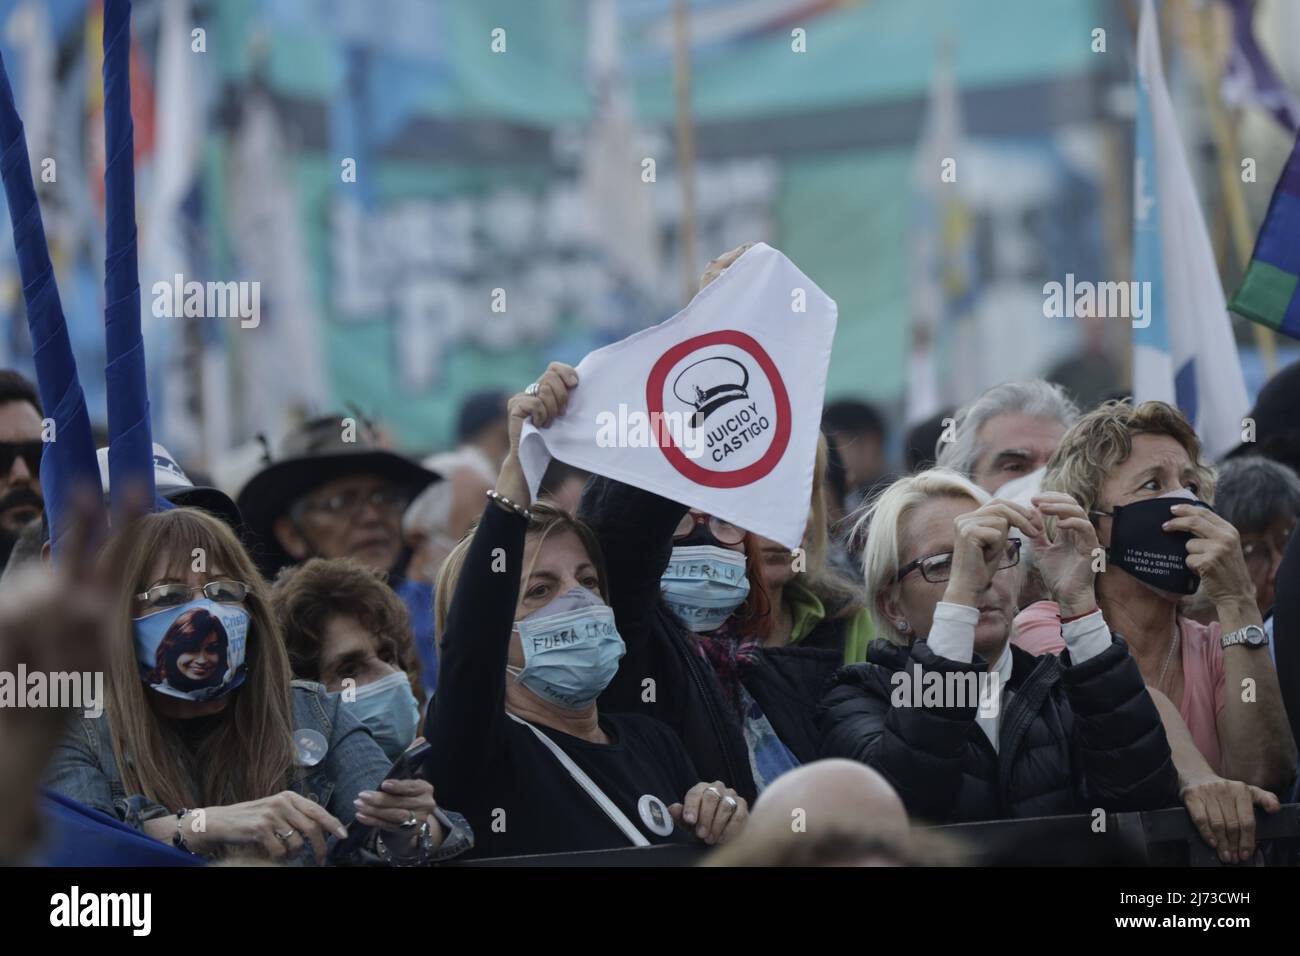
730, 653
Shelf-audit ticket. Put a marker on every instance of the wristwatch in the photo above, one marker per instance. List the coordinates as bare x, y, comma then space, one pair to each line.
1252, 635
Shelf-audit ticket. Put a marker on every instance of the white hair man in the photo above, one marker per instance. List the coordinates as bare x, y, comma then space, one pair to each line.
1010, 431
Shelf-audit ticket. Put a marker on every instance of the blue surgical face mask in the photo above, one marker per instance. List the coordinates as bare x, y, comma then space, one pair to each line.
389, 708
195, 651
704, 584
571, 649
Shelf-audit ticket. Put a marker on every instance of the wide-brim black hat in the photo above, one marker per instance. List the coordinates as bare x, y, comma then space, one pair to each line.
314, 455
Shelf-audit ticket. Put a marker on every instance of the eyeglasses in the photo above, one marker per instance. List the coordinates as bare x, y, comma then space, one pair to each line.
1260, 556
723, 531
162, 596
936, 568
348, 504
29, 451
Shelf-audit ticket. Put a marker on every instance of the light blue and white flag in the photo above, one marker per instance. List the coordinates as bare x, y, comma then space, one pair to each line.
1184, 352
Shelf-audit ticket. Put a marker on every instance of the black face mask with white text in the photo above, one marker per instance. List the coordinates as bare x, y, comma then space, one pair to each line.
1140, 546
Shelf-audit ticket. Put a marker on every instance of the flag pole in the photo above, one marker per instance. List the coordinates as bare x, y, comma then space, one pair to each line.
685, 142
130, 438
1200, 44
68, 463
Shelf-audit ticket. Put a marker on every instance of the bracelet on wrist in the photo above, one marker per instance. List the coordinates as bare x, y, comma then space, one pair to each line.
1069, 618
178, 839
178, 836
423, 848
503, 502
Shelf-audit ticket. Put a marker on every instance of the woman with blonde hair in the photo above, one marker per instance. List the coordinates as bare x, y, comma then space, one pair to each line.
963, 725
250, 759
1137, 472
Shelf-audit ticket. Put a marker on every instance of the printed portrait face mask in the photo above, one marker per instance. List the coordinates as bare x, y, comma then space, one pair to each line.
1140, 546
571, 649
175, 662
389, 708
704, 584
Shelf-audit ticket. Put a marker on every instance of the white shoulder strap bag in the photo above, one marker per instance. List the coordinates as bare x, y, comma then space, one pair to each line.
598, 795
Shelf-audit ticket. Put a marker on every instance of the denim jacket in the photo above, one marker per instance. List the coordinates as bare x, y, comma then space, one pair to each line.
84, 768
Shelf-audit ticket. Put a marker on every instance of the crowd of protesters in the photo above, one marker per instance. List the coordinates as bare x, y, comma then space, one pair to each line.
362, 659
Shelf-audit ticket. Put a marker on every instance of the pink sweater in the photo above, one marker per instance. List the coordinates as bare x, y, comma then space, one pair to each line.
1037, 629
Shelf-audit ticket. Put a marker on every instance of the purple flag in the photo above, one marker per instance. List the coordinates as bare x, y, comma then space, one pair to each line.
1249, 79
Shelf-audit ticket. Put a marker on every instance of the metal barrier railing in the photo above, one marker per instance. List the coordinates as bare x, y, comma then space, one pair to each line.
666, 855
1172, 840
1151, 838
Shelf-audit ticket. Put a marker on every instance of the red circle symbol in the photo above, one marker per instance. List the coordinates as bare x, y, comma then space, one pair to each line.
655, 405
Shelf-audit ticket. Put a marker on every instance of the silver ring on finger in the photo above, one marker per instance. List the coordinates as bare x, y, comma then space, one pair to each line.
532, 389
731, 802
713, 790
411, 823
284, 837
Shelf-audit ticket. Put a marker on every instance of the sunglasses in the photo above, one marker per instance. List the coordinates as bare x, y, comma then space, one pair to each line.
29, 451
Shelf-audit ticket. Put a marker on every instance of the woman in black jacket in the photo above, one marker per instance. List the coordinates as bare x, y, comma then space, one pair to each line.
962, 724
527, 645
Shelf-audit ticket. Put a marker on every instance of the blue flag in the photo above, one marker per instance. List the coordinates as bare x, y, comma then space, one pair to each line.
130, 434
68, 460
78, 835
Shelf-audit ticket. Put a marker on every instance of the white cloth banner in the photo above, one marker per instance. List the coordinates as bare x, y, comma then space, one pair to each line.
718, 407
1184, 352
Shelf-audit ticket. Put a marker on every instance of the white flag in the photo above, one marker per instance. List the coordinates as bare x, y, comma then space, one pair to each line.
165, 243
717, 407
1183, 349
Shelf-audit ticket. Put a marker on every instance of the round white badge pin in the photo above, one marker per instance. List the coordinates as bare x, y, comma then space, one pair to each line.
655, 815
309, 747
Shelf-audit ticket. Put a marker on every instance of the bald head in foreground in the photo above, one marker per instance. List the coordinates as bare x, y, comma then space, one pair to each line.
830, 813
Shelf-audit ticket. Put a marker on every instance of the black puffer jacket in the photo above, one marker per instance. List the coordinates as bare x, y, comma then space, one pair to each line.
635, 529
1071, 737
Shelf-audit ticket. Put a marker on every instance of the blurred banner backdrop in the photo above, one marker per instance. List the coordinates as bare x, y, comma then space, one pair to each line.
499, 214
